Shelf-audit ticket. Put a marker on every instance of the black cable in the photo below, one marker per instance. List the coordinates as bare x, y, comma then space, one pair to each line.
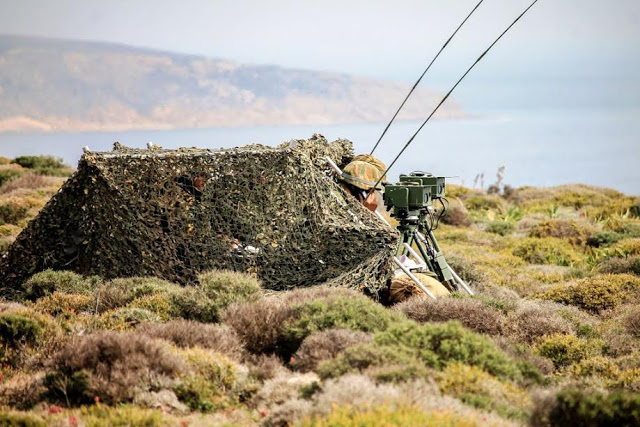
422, 75
450, 91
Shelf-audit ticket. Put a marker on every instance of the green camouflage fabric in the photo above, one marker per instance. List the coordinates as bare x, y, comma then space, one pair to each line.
364, 171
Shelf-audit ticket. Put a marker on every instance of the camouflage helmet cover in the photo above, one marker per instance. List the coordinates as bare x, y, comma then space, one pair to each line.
364, 171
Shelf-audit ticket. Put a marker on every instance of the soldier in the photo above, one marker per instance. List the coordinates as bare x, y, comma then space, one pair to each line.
358, 179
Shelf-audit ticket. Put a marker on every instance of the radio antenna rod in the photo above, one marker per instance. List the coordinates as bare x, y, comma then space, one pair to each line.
450, 91
422, 75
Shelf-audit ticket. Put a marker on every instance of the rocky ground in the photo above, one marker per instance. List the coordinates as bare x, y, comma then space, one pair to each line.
551, 338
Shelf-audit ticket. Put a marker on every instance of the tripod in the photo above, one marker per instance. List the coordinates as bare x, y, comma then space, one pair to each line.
411, 226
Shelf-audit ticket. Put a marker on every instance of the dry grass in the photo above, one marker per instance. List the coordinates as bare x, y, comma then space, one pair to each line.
28, 181
534, 319
472, 313
112, 366
632, 322
258, 324
186, 333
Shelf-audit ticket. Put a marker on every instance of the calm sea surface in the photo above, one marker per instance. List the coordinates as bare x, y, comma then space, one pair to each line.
538, 148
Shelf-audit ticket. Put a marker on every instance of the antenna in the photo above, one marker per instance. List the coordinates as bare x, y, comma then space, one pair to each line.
451, 90
422, 75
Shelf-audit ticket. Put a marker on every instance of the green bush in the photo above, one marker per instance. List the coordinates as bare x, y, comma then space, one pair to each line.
596, 293
591, 408
125, 318
500, 227
483, 203
8, 174
212, 383
224, 288
569, 230
12, 213
477, 388
21, 419
120, 292
387, 363
280, 324
439, 345
357, 314
547, 250
49, 281
39, 162
385, 415
565, 350
15, 329
604, 238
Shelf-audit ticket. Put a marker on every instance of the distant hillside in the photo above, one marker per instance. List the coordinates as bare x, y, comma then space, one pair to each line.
56, 85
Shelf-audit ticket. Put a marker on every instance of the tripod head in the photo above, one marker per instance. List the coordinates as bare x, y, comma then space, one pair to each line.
412, 198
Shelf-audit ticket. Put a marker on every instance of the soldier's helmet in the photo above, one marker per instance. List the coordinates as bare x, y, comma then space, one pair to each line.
364, 171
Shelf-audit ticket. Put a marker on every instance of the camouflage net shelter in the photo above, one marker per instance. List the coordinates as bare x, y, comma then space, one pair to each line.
273, 212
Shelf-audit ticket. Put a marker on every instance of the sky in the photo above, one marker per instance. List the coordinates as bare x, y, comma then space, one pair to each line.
587, 51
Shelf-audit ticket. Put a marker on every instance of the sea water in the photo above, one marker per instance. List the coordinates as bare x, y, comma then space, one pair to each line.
537, 148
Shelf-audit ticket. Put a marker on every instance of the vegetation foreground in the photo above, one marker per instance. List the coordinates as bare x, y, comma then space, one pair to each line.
552, 337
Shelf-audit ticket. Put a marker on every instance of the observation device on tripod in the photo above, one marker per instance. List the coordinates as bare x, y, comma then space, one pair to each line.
412, 202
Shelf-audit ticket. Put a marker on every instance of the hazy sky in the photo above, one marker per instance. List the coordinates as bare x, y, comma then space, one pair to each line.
590, 45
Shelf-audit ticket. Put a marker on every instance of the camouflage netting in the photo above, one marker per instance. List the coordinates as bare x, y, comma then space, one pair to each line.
174, 213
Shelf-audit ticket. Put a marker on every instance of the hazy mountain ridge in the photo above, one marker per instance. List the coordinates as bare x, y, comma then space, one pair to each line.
59, 85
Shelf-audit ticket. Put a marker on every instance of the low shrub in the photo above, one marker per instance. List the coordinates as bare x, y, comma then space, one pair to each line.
111, 366
119, 293
227, 287
401, 415
626, 247
568, 230
279, 325
604, 238
211, 384
564, 350
457, 215
125, 319
481, 390
27, 181
386, 363
159, 304
26, 336
16, 329
65, 305
483, 202
357, 313
21, 419
10, 172
38, 162
472, 313
547, 250
49, 281
259, 324
591, 408
632, 322
596, 293
186, 333
22, 391
599, 366
325, 345
500, 227
284, 388
12, 213
534, 319
616, 265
